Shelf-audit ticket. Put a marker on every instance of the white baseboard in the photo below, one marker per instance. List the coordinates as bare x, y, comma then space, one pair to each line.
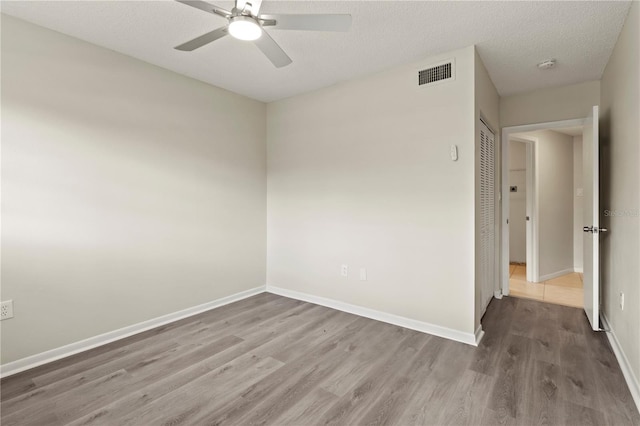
555, 275
436, 330
479, 334
579, 270
32, 361
625, 366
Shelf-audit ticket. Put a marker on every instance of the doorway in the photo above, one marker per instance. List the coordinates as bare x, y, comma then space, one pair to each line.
542, 233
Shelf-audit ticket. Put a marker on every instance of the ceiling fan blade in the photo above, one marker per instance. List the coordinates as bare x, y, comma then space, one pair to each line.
310, 22
203, 39
207, 7
271, 50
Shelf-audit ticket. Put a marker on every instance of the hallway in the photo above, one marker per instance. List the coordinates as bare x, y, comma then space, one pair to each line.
565, 290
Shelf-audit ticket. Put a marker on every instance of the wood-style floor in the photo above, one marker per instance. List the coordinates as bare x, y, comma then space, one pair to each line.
564, 290
273, 360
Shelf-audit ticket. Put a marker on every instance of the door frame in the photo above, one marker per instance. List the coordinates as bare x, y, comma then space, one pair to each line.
504, 196
531, 239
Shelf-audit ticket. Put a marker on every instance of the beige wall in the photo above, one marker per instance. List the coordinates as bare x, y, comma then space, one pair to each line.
552, 104
487, 107
360, 174
620, 156
554, 167
128, 191
518, 202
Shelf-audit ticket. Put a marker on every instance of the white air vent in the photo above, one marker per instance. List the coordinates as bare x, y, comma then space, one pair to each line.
438, 73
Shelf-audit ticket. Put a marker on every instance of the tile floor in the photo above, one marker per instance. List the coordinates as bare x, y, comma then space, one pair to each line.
565, 290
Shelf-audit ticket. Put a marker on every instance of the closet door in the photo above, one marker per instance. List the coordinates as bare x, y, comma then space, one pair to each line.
487, 215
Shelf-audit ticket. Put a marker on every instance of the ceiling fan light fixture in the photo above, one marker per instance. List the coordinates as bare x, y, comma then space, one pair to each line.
244, 28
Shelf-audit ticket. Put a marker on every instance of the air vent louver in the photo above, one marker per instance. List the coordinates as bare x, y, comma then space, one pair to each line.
433, 74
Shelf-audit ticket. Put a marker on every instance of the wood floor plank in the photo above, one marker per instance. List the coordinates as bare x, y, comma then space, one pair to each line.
9, 386
135, 405
496, 323
408, 381
578, 415
312, 406
89, 393
274, 335
524, 317
57, 388
545, 341
170, 359
577, 381
296, 389
169, 331
365, 358
330, 324
572, 320
131, 360
218, 387
469, 400
500, 417
507, 392
278, 361
241, 322
288, 379
360, 401
14, 386
429, 404
541, 400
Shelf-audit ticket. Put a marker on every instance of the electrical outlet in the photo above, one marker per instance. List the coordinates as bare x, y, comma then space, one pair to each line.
363, 274
344, 270
621, 301
6, 310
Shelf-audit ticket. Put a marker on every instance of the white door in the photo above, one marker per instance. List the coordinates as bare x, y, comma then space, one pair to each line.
487, 215
591, 252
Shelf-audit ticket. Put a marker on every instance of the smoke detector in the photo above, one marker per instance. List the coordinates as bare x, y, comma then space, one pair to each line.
548, 64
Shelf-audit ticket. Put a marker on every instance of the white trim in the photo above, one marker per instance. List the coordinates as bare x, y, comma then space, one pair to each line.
532, 252
532, 210
555, 274
425, 327
579, 270
545, 126
32, 361
625, 365
479, 334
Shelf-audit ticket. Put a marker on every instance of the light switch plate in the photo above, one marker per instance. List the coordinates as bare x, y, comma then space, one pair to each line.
363, 274
344, 270
454, 153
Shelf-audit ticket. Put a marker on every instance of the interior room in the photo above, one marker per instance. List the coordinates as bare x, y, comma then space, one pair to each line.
299, 212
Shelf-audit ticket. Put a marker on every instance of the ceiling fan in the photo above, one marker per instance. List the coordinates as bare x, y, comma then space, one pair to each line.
246, 23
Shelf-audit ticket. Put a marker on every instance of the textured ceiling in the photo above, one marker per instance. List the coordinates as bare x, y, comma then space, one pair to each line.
512, 37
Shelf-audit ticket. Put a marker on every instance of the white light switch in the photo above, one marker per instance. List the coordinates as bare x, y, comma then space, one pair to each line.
579, 192
454, 153
363, 274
